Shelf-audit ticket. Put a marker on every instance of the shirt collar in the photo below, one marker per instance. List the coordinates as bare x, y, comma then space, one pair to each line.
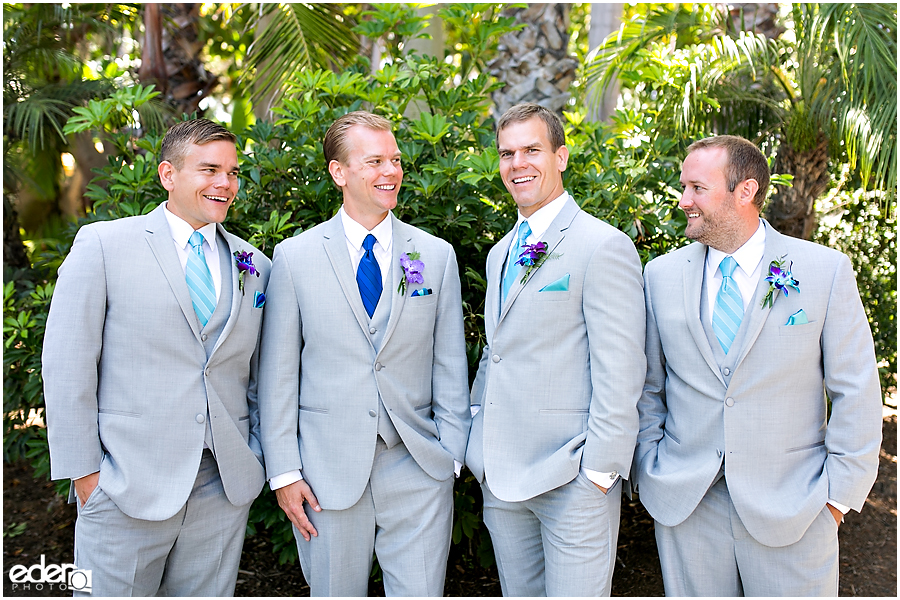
540, 221
181, 230
356, 233
747, 256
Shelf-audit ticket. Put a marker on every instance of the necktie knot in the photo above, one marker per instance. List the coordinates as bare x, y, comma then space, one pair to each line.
727, 266
196, 241
369, 242
524, 232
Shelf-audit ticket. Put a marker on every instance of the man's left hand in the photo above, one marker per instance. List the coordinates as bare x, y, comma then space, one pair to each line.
601, 488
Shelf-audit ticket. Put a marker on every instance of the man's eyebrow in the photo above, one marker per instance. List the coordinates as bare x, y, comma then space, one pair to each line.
536, 144
204, 165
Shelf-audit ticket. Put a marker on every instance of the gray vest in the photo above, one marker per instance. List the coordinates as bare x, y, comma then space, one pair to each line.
377, 326
210, 334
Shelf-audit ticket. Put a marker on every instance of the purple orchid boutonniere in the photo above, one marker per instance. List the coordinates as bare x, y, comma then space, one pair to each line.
780, 279
244, 263
412, 270
532, 257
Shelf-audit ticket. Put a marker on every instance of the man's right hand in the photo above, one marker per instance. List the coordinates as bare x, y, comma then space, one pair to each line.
290, 499
84, 486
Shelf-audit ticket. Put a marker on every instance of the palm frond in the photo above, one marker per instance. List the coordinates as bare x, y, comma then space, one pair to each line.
284, 35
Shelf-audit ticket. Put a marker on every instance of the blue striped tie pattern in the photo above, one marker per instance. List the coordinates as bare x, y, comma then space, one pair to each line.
515, 250
199, 280
368, 277
729, 309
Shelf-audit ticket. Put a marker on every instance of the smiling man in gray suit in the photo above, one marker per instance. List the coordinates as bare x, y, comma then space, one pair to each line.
560, 377
363, 389
738, 459
149, 371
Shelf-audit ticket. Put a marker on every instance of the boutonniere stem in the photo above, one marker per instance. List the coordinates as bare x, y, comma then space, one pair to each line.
780, 279
244, 263
412, 270
532, 257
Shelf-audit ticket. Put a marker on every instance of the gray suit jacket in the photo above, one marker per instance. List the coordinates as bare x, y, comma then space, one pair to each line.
321, 375
126, 378
561, 374
766, 413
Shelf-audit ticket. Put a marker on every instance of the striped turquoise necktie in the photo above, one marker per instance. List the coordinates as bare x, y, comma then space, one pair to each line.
729, 309
199, 280
512, 269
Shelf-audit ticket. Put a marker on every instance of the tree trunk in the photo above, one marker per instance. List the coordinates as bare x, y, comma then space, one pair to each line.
791, 210
605, 19
756, 18
170, 56
14, 255
533, 63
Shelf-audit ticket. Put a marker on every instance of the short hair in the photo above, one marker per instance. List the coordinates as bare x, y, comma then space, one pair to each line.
196, 131
745, 161
334, 146
523, 112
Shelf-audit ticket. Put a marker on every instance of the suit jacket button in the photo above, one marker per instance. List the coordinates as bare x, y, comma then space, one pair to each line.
614, 474
200, 418
718, 452
204, 337
378, 366
372, 330
206, 371
726, 371
496, 358
729, 401
372, 413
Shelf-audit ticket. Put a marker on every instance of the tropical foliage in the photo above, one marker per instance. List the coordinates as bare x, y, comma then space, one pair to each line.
822, 94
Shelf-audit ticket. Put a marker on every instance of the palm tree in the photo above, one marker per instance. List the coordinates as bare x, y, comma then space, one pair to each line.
823, 93
533, 62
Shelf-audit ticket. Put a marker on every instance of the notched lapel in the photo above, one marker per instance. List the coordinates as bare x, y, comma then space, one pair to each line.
553, 237
236, 296
693, 285
159, 238
336, 250
775, 249
401, 243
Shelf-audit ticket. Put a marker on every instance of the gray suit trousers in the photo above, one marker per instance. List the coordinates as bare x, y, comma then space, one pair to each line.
404, 516
559, 543
712, 554
176, 557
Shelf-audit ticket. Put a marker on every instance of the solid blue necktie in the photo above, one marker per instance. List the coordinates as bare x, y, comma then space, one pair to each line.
729, 309
199, 280
512, 269
368, 277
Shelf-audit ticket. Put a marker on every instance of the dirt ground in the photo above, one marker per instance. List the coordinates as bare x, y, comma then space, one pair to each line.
37, 522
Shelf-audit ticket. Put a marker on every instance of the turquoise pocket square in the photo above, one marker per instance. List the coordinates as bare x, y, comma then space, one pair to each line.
798, 318
259, 299
560, 285
422, 292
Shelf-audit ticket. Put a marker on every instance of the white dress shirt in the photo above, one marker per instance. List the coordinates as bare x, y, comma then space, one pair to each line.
181, 235
746, 275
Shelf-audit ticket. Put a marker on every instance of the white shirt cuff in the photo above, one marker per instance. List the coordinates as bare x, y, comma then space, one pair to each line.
844, 509
457, 467
604, 480
285, 479
474, 409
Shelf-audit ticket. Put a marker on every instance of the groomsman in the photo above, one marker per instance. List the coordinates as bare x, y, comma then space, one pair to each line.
560, 377
363, 388
149, 371
750, 336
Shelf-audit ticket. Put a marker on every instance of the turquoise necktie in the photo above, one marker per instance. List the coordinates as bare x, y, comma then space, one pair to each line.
729, 309
199, 280
368, 277
512, 269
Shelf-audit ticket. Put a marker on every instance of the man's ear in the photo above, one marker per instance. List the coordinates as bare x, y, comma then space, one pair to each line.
746, 191
166, 172
562, 158
337, 173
